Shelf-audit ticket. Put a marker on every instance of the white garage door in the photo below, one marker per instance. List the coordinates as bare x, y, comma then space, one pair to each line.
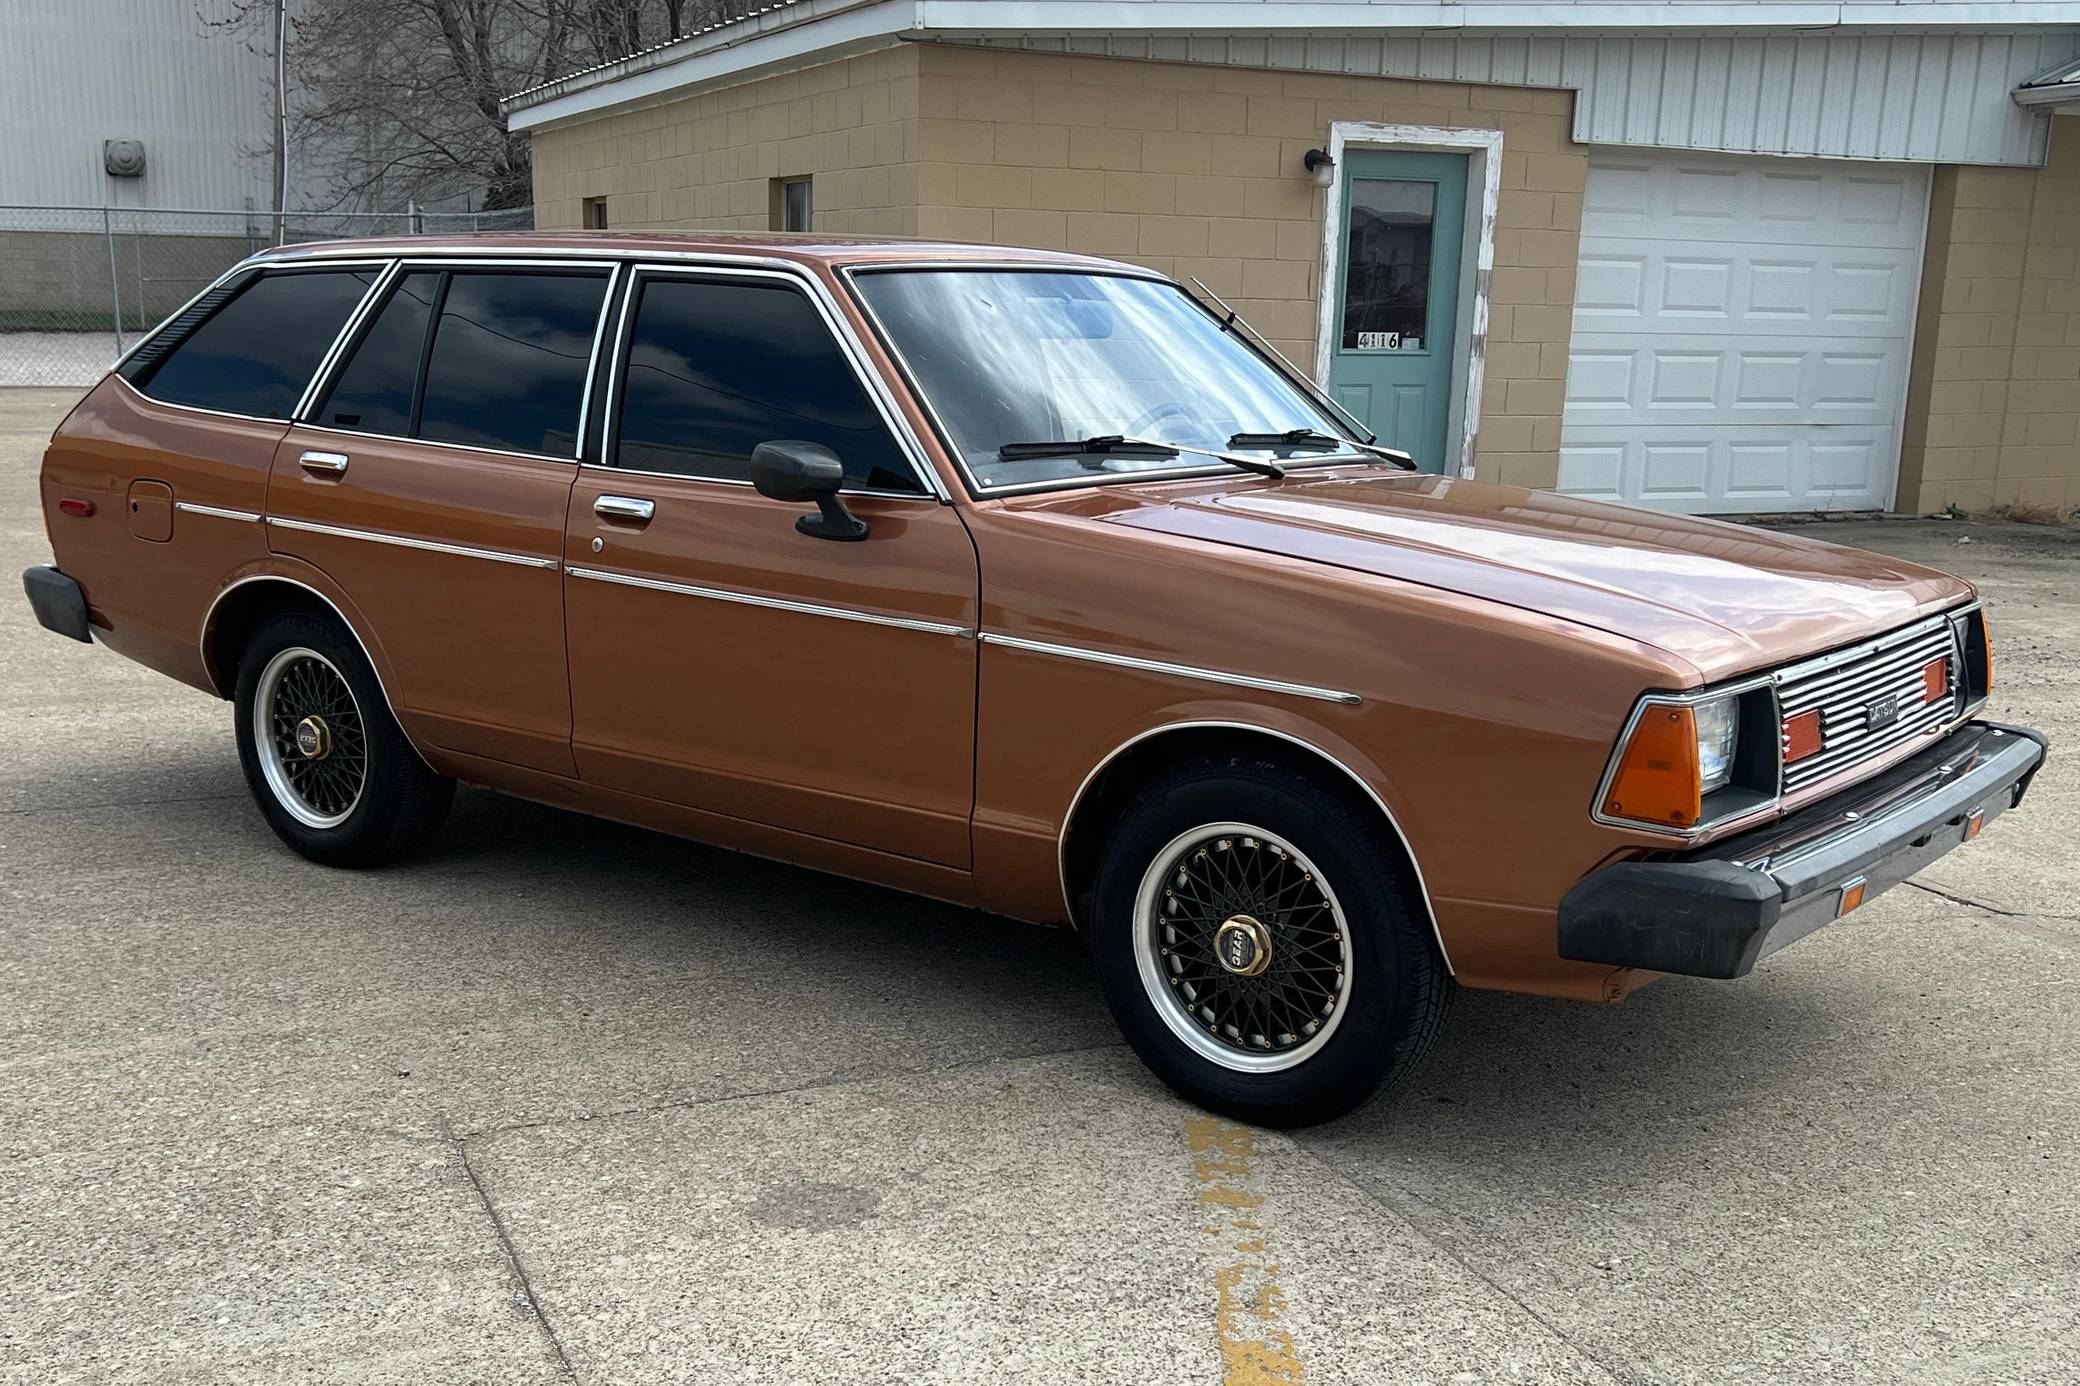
1741, 332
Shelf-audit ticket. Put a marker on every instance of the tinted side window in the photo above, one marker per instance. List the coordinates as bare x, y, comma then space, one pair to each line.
509, 357
256, 353
374, 393
715, 369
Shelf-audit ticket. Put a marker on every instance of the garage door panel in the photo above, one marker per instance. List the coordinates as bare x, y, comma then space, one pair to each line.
1699, 379
1708, 197
1650, 286
1741, 331
1729, 470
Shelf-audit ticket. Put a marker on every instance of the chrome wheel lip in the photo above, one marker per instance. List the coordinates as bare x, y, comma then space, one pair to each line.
1147, 924
273, 767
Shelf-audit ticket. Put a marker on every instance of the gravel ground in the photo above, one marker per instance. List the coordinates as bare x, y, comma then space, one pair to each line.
572, 1102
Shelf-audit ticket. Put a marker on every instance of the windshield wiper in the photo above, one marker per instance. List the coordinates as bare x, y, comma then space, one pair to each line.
1120, 445
1314, 438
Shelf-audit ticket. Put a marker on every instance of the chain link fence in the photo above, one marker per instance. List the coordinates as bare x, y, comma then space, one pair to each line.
78, 285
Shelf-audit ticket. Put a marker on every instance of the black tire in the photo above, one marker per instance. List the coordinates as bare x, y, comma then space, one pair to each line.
1398, 989
396, 803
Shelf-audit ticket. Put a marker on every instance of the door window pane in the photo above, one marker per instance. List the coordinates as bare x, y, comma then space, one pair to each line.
1386, 287
256, 353
509, 358
716, 369
374, 393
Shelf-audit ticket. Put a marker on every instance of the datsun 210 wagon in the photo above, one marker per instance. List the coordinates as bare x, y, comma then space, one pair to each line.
1022, 580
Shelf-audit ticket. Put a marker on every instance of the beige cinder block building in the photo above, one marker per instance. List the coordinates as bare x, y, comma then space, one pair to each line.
1735, 267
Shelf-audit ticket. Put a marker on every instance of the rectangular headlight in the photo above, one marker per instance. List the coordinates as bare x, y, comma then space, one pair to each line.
1718, 733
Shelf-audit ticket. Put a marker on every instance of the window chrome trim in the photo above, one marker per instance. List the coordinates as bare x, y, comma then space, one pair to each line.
250, 262
851, 273
1076, 802
1182, 671
523, 560
721, 594
931, 486
334, 357
220, 512
158, 403
599, 332
557, 458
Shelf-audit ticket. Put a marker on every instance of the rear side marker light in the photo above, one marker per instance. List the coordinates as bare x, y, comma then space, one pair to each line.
75, 506
1851, 897
1935, 680
1802, 736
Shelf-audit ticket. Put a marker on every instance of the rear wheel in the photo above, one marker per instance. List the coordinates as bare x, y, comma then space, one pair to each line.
1262, 943
327, 763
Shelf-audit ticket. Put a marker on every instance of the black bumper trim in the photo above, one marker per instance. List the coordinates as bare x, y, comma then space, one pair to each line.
58, 602
1715, 912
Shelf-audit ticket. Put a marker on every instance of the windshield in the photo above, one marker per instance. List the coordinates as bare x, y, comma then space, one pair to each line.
1008, 357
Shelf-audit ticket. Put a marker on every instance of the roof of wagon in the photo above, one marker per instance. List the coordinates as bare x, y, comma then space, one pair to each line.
807, 248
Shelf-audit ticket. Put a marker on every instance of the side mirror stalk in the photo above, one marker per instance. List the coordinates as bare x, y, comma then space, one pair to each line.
788, 470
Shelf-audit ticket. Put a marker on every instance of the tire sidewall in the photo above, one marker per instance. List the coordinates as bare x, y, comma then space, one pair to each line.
1357, 1058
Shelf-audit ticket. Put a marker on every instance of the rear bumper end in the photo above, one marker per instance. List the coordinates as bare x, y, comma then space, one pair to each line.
58, 602
1715, 912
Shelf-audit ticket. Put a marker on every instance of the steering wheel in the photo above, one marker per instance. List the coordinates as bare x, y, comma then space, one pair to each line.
1151, 417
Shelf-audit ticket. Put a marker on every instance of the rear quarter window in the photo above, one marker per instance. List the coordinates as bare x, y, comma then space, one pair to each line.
254, 350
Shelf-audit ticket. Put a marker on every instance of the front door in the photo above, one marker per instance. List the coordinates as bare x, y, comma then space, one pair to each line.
1397, 298
724, 659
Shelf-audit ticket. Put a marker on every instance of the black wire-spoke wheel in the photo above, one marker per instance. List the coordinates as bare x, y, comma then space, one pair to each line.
1243, 947
312, 743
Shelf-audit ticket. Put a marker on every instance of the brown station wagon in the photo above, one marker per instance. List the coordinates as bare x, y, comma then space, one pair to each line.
1020, 580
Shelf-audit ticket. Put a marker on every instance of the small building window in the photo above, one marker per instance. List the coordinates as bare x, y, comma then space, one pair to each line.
793, 205
595, 214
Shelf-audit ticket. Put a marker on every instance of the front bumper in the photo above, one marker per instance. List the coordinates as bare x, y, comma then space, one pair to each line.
58, 602
1713, 913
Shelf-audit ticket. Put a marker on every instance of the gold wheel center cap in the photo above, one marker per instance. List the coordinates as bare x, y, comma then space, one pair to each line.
1242, 945
313, 738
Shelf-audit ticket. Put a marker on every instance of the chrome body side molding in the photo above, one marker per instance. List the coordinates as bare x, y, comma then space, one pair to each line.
220, 512
1181, 671
524, 560
722, 594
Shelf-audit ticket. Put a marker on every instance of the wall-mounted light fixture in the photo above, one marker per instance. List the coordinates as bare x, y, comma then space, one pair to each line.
1318, 163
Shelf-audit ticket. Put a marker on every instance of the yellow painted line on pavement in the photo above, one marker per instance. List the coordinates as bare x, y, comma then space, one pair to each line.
1248, 1299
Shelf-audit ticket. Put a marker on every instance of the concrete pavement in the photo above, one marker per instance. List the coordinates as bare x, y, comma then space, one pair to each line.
566, 1101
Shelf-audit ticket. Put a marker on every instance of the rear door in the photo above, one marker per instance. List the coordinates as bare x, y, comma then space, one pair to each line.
719, 657
430, 480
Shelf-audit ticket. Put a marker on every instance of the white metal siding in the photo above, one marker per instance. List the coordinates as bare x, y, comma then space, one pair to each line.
1933, 98
76, 72
1741, 332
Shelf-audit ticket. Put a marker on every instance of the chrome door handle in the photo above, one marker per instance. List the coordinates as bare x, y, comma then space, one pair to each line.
330, 462
624, 508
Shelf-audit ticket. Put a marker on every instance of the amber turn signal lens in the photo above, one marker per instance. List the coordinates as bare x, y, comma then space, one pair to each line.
1658, 780
1852, 896
1973, 822
1986, 626
1802, 736
1935, 680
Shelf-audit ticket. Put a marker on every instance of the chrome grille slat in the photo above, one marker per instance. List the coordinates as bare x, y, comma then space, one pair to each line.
1837, 686
1842, 686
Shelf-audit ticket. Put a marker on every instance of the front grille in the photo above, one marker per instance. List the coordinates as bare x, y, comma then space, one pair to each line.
1844, 687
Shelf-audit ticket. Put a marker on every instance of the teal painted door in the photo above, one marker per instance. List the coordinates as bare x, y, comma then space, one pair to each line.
1397, 281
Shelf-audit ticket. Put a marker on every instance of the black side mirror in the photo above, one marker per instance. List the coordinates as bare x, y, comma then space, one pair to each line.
786, 470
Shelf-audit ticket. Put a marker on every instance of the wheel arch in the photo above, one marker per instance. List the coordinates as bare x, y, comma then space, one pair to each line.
1123, 771
245, 602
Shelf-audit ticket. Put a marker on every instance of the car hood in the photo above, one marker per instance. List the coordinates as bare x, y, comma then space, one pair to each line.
1726, 598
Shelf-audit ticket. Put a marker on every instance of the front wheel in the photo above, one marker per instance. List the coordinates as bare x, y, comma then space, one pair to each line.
325, 760
1262, 944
